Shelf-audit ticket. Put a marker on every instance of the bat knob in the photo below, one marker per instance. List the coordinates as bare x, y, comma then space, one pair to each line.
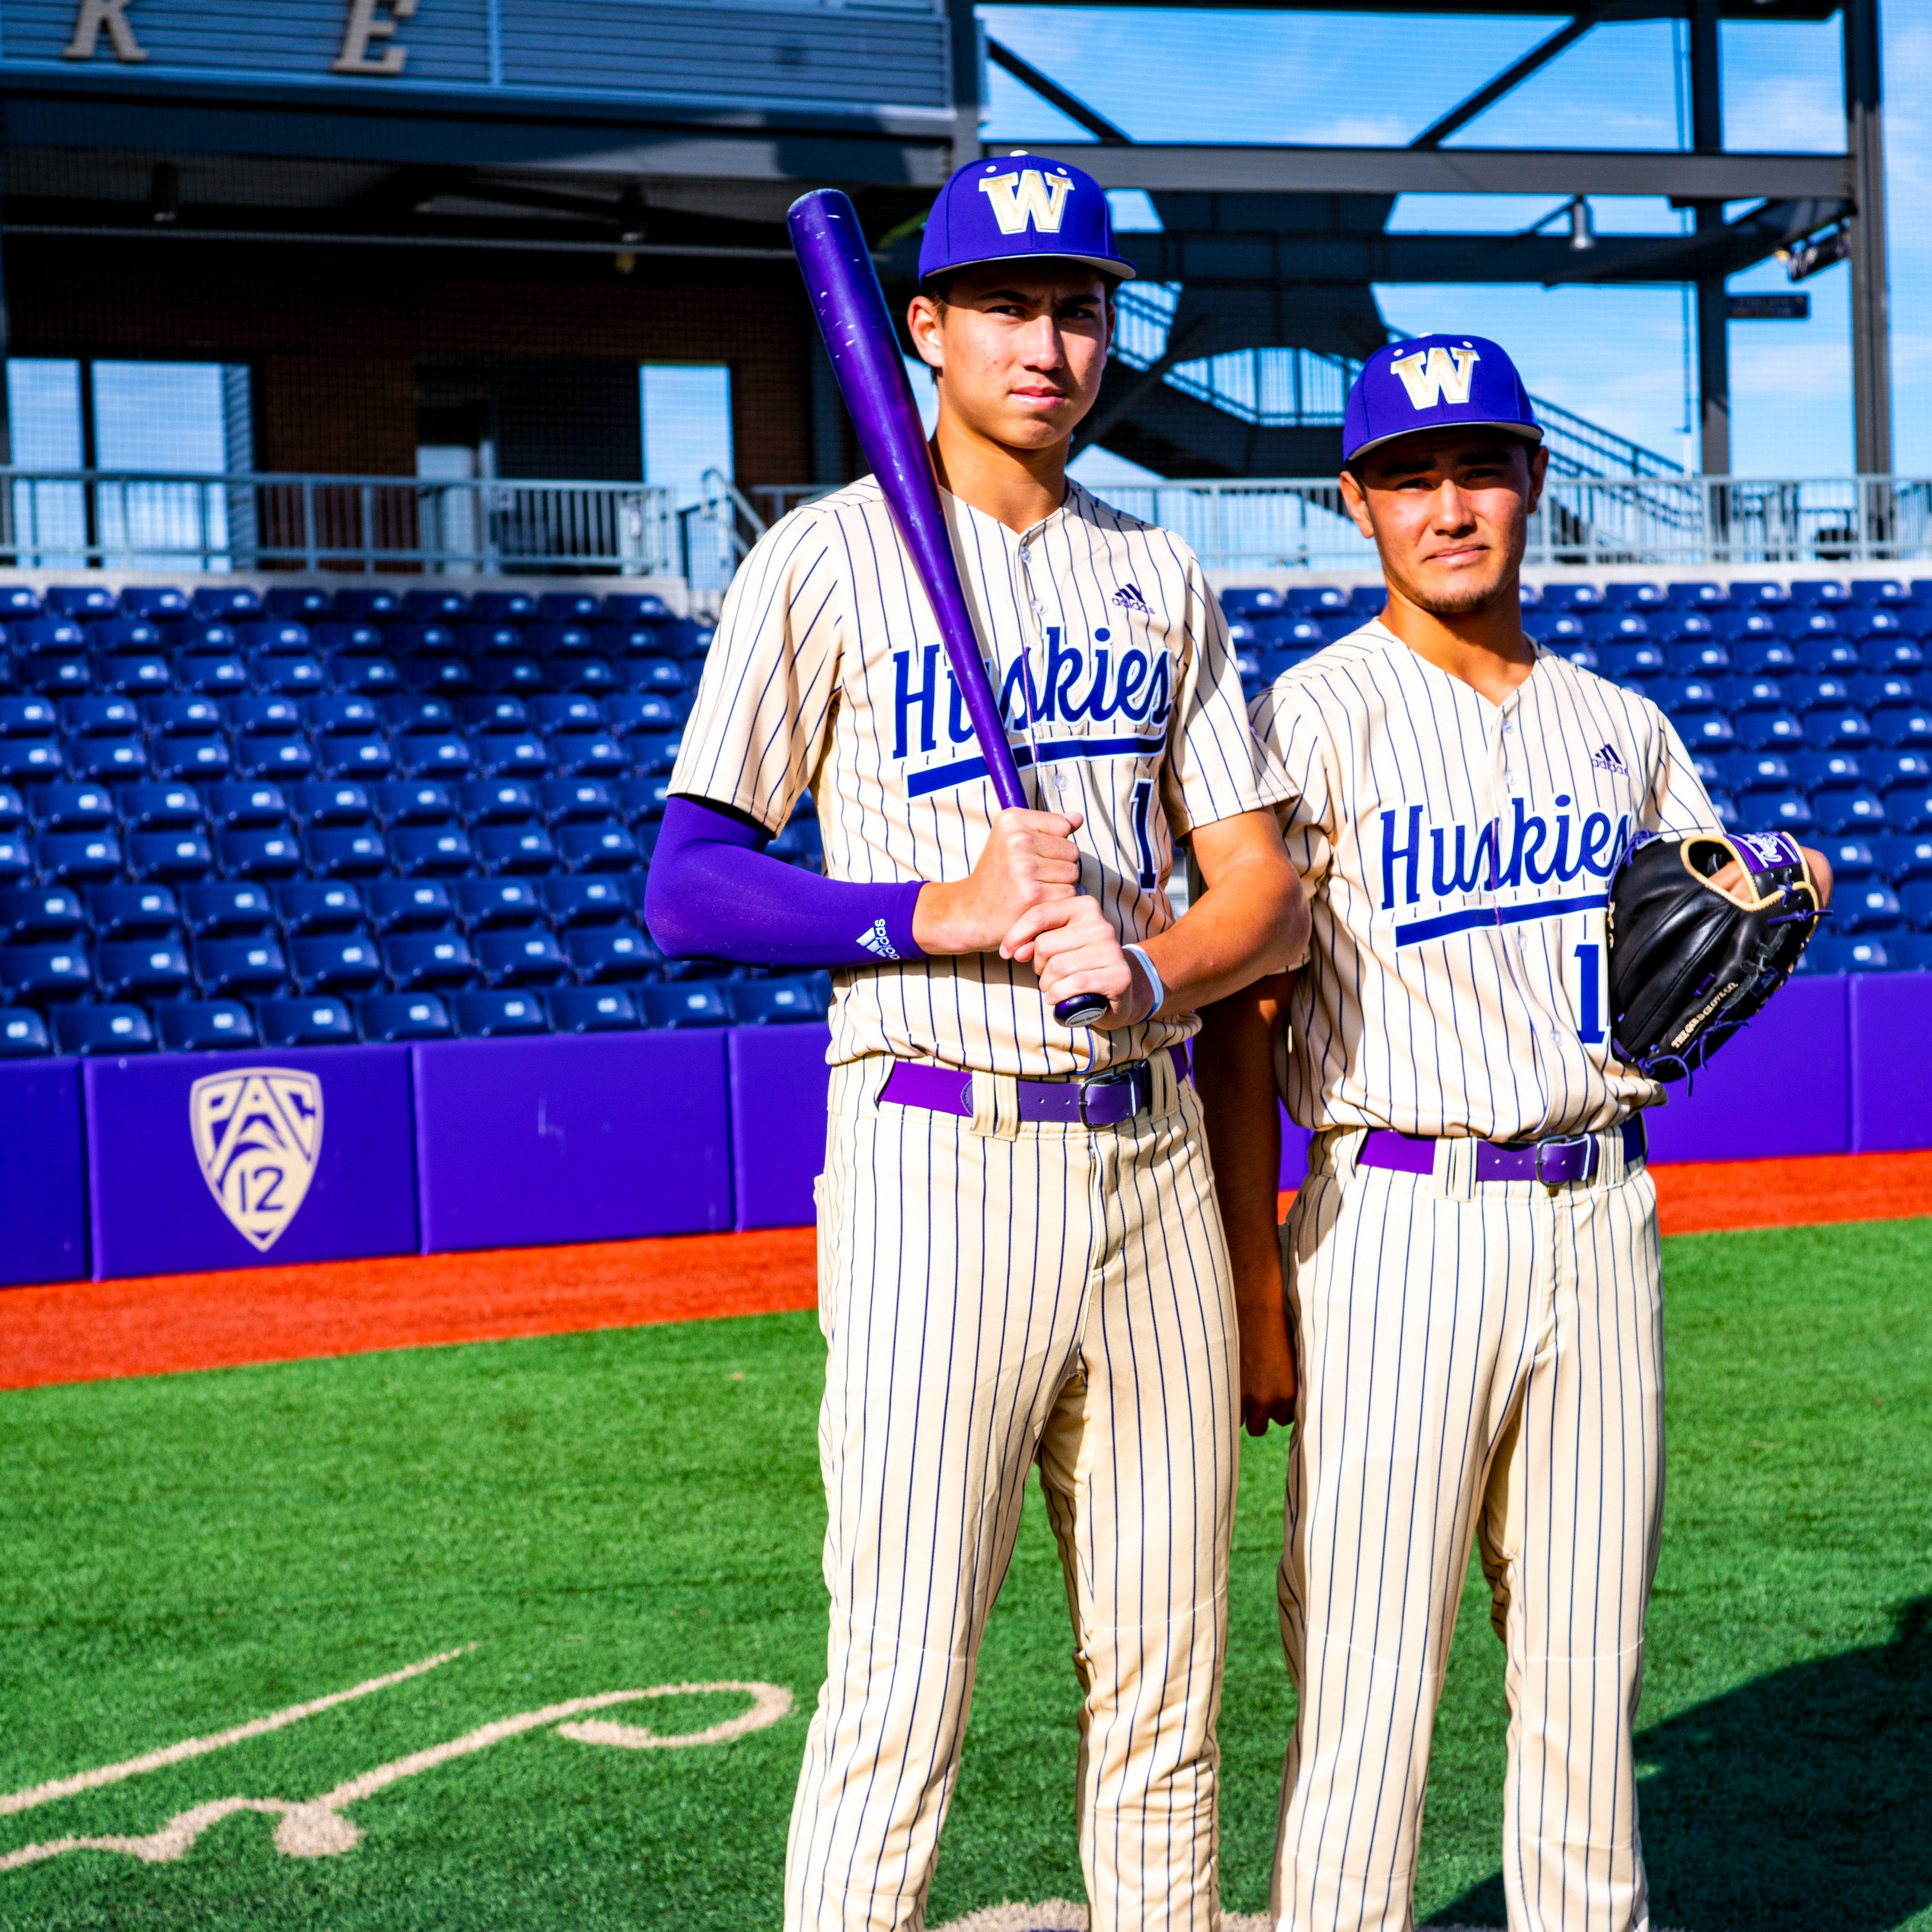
1083, 1010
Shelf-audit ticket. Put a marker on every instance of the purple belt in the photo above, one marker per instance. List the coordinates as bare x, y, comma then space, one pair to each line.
1102, 1099
1561, 1159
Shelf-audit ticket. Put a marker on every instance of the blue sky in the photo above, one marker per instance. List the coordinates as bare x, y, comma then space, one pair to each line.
1617, 356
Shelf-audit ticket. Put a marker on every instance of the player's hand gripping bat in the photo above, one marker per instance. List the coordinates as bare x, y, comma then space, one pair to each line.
844, 288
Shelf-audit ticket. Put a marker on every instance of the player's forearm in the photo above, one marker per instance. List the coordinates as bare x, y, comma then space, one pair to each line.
1234, 1071
1252, 921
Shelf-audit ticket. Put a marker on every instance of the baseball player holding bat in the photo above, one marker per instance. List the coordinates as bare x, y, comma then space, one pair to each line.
1471, 1268
1021, 1260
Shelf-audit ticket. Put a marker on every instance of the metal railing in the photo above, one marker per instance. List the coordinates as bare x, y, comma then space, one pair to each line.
1298, 522
489, 526
1295, 387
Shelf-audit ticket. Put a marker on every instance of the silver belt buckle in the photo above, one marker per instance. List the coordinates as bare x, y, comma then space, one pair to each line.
1563, 1143
1137, 1076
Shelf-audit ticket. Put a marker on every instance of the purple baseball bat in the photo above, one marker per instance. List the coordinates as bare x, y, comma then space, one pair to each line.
843, 287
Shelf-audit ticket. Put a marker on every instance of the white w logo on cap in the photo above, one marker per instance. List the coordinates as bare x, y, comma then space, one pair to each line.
1027, 197
1435, 375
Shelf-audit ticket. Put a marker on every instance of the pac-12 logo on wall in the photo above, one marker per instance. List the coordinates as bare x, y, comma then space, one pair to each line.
257, 1135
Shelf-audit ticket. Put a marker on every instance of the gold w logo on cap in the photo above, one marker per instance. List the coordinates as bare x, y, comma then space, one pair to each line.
1433, 376
1026, 198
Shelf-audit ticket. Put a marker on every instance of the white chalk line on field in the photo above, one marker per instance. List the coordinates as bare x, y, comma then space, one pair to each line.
188, 1747
315, 1827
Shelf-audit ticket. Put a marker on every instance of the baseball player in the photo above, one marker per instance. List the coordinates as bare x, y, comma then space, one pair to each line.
1471, 1268
1021, 1259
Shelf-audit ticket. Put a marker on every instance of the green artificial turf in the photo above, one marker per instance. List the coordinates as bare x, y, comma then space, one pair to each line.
640, 1508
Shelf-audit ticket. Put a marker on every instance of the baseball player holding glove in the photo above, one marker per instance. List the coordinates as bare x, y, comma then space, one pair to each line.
1472, 1269
1021, 1259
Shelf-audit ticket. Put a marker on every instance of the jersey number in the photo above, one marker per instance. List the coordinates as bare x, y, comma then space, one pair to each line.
1589, 995
1143, 804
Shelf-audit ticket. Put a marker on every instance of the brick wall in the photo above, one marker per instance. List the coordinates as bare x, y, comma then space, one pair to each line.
336, 337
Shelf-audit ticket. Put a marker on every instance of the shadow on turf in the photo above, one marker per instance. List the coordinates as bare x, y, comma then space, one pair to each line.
1801, 1802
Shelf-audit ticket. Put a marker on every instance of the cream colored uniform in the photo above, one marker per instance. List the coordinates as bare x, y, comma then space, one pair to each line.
994, 1292
1480, 1359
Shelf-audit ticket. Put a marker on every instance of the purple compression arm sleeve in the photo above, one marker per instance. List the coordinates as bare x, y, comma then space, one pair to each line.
713, 892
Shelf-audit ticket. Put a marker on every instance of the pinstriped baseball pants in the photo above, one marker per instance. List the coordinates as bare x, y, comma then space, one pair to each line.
995, 1294
1479, 1364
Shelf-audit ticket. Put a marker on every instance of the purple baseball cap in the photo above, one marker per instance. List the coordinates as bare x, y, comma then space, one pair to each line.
1020, 205
1435, 382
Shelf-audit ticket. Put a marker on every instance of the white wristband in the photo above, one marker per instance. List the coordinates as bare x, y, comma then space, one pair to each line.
1153, 978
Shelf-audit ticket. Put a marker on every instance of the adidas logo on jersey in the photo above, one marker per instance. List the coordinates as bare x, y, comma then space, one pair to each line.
1605, 759
876, 940
1129, 597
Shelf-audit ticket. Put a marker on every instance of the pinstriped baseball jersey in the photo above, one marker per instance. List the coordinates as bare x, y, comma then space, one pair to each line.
1111, 659
1457, 854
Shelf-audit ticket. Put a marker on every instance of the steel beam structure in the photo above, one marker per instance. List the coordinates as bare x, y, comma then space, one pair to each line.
1871, 345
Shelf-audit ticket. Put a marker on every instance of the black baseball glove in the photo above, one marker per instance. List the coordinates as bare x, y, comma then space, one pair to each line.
1689, 965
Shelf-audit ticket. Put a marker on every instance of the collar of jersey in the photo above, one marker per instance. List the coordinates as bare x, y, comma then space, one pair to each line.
1390, 641
1028, 535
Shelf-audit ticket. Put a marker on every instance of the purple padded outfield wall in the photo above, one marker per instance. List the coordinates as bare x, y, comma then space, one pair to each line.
779, 1083
226, 1160
592, 1137
43, 1173
1891, 1060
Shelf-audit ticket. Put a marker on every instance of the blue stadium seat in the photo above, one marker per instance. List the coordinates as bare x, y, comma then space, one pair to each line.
1855, 808
1865, 905
56, 673
240, 969
515, 848
204, 1026
23, 1034
620, 953
1626, 663
283, 756
372, 676
206, 635
247, 805
415, 801
519, 676
1696, 596
598, 848
310, 1022
1815, 690
13, 808
589, 677
1685, 696
344, 711
1638, 596
1838, 726
99, 717
155, 603
1829, 654
112, 761
693, 1003
444, 677
1904, 858
63, 807
33, 915
443, 756
347, 851
170, 857
134, 674
1850, 857
503, 607
1811, 769
224, 908
530, 957
1752, 771
92, 1030
1768, 810
1902, 725
417, 711
364, 755
498, 1015
16, 859
37, 974
359, 605
147, 970
511, 754
1885, 767
344, 963
307, 907
409, 906
393, 1017
1896, 653
1697, 657
764, 1002
569, 606
333, 802
584, 901
132, 912
653, 752
1871, 955
1909, 808
23, 760
211, 674
1820, 590
28, 717
594, 1010
499, 801
1916, 898
269, 854
79, 858
577, 711
287, 636
483, 640
1707, 730
430, 961
645, 711
296, 600
588, 753
1911, 952
114, 634
198, 759
161, 809
224, 600
291, 677
435, 607
589, 801
486, 905
1772, 654
432, 851
1879, 590
1770, 731
504, 712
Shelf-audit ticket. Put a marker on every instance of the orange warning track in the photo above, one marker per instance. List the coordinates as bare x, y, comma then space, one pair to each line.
86, 1331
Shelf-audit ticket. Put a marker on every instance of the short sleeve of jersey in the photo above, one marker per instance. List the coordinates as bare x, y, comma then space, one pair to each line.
1288, 721
758, 730
1678, 802
1216, 767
